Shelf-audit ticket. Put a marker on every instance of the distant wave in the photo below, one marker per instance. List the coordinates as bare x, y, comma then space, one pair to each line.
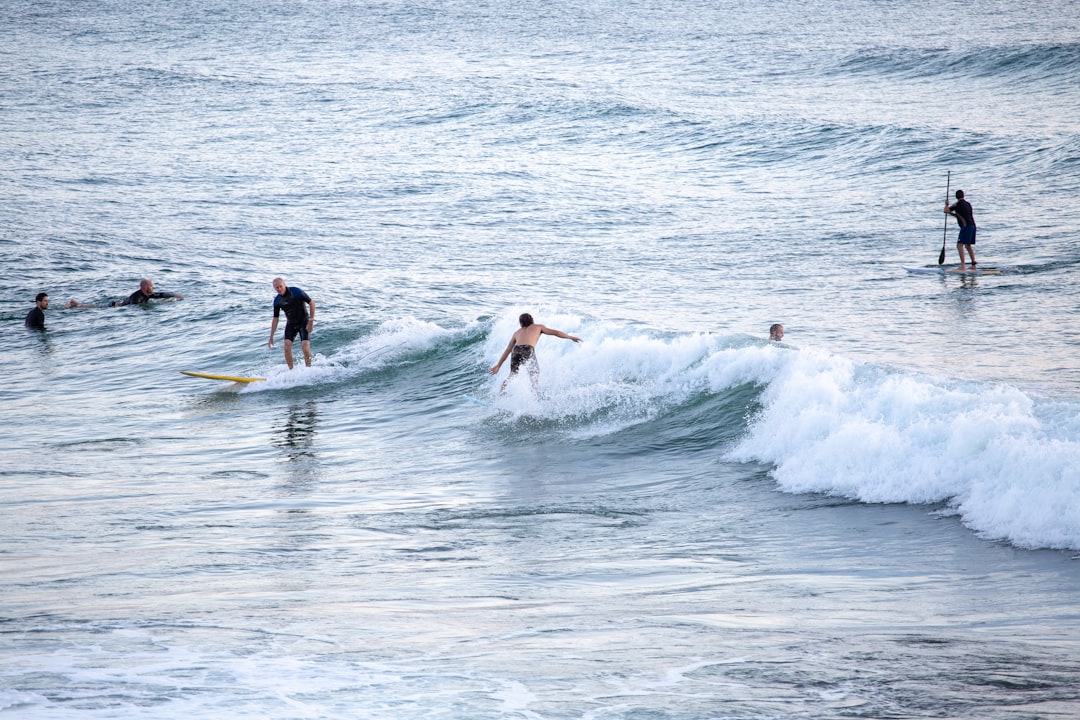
1007, 463
1044, 62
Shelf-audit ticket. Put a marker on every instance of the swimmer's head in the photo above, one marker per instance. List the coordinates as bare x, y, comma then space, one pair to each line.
525, 319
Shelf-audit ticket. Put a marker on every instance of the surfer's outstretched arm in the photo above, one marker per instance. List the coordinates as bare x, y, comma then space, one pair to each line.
506, 354
545, 330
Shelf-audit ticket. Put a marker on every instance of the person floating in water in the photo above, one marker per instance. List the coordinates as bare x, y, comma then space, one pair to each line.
298, 321
965, 218
144, 293
140, 296
522, 350
776, 332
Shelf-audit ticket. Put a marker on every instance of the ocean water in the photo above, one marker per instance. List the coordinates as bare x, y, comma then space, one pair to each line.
877, 518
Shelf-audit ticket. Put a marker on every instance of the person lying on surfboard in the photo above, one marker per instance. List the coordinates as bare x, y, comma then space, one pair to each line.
144, 293
140, 296
522, 349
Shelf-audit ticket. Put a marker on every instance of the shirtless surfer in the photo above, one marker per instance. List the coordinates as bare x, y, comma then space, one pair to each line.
522, 349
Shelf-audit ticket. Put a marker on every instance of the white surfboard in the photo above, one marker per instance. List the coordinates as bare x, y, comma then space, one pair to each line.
954, 270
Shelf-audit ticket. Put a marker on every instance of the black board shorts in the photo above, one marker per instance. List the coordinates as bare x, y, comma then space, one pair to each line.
520, 354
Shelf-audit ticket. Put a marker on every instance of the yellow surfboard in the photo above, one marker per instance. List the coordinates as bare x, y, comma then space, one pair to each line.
227, 378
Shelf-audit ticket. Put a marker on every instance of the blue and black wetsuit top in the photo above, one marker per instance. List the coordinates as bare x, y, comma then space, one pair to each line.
294, 302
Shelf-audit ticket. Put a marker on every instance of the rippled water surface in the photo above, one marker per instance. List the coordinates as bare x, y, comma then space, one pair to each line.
876, 518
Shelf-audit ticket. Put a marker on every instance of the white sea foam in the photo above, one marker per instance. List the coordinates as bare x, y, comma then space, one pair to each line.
990, 452
388, 344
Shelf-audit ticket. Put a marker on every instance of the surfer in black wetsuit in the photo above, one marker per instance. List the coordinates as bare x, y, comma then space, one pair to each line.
965, 218
144, 293
298, 321
522, 350
36, 317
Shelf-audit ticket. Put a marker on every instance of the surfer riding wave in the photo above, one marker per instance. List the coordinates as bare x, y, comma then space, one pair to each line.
522, 350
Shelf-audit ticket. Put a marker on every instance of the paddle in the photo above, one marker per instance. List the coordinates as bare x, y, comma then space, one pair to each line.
941, 257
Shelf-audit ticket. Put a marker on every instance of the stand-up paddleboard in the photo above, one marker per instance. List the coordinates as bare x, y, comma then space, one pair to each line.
954, 270
478, 401
226, 378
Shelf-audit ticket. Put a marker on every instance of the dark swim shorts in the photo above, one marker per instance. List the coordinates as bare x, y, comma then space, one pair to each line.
967, 235
520, 354
291, 331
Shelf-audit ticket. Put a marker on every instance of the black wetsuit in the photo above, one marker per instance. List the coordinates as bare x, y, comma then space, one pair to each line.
35, 318
139, 297
295, 303
965, 214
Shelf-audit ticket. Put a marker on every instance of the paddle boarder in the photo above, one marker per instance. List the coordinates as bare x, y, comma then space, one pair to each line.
522, 350
298, 319
965, 218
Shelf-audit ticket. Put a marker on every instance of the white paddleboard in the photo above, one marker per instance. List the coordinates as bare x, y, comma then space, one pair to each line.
954, 270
